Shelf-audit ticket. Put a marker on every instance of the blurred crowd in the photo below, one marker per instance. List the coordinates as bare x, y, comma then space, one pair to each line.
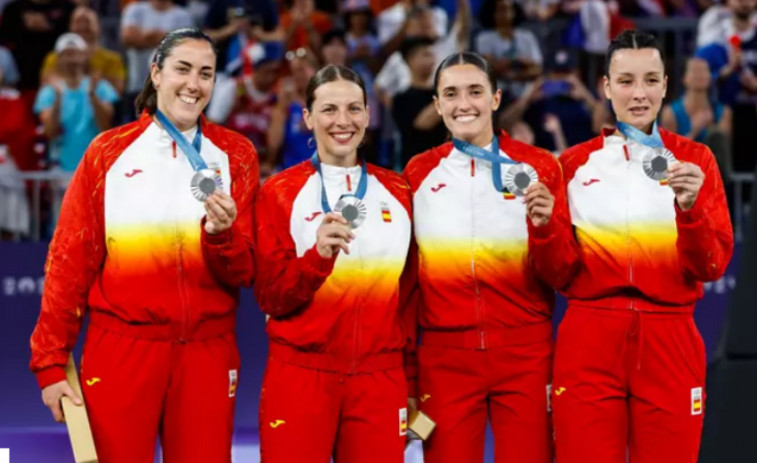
60, 87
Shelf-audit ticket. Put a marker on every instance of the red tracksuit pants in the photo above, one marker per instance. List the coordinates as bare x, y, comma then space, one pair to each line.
628, 387
460, 387
311, 409
138, 385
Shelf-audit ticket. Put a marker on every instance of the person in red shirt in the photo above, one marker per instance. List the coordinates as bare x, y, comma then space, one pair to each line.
154, 238
651, 224
489, 213
303, 25
333, 234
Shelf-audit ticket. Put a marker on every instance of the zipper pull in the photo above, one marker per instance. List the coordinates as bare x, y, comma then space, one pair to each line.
625, 151
472, 167
349, 182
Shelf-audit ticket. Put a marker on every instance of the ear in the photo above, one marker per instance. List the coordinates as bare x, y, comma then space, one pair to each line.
664, 86
437, 106
308, 120
606, 83
155, 75
497, 99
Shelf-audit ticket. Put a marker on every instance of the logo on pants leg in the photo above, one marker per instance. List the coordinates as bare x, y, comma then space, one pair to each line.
696, 401
403, 421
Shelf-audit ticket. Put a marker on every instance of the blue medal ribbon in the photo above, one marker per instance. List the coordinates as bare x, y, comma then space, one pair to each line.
362, 185
491, 155
191, 151
654, 140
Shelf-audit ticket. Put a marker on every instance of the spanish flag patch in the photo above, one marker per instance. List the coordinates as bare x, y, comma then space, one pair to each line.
386, 213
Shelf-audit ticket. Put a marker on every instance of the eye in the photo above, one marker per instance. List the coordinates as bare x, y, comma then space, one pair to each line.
356, 109
182, 69
449, 94
328, 110
207, 75
476, 91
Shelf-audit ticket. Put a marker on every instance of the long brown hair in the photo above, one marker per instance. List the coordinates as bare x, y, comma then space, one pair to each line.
148, 97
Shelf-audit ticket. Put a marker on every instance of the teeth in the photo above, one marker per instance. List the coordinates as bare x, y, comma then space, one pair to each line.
187, 99
343, 136
465, 118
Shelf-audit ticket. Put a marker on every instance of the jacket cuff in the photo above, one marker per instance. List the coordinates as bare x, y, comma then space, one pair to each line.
543, 233
218, 239
50, 376
318, 265
692, 216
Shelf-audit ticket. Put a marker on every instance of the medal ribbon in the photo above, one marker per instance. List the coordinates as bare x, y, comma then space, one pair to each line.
191, 151
362, 185
491, 155
632, 133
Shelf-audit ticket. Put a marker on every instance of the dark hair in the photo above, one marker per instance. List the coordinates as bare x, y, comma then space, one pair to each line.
635, 40
466, 57
488, 11
148, 97
335, 33
411, 44
332, 73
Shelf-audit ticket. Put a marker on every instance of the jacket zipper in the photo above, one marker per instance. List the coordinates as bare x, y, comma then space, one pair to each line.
627, 153
477, 294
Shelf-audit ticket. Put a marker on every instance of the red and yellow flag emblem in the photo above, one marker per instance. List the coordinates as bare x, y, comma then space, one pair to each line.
386, 213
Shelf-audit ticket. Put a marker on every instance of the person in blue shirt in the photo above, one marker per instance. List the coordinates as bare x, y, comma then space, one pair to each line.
694, 114
75, 107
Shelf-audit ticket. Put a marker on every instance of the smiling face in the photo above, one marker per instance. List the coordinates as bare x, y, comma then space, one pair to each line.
185, 83
636, 86
466, 102
338, 118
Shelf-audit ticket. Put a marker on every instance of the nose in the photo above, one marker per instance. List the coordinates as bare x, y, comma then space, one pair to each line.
638, 92
464, 103
193, 81
342, 118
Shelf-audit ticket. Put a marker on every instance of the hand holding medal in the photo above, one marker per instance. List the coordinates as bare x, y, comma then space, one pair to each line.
686, 180
332, 235
539, 204
220, 212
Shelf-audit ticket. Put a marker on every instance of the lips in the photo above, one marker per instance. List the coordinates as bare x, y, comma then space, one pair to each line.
188, 99
465, 118
342, 137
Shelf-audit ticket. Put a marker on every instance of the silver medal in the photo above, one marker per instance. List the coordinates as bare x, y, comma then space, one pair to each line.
656, 163
519, 177
204, 183
352, 209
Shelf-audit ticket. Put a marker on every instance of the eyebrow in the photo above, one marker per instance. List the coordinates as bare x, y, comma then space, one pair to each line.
452, 87
187, 63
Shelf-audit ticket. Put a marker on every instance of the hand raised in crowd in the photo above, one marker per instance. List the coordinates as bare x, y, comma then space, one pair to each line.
539, 204
686, 180
332, 235
701, 120
220, 213
52, 394
94, 81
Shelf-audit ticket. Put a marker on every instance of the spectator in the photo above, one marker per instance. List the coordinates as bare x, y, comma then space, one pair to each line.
253, 111
74, 107
394, 77
513, 51
362, 44
106, 63
225, 23
721, 22
288, 136
143, 26
29, 29
393, 21
695, 114
16, 139
413, 110
303, 25
562, 95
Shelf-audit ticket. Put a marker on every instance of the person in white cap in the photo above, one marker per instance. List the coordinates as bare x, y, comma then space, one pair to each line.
74, 107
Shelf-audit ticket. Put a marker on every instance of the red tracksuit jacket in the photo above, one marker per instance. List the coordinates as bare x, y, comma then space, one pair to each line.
638, 250
346, 306
481, 264
129, 241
